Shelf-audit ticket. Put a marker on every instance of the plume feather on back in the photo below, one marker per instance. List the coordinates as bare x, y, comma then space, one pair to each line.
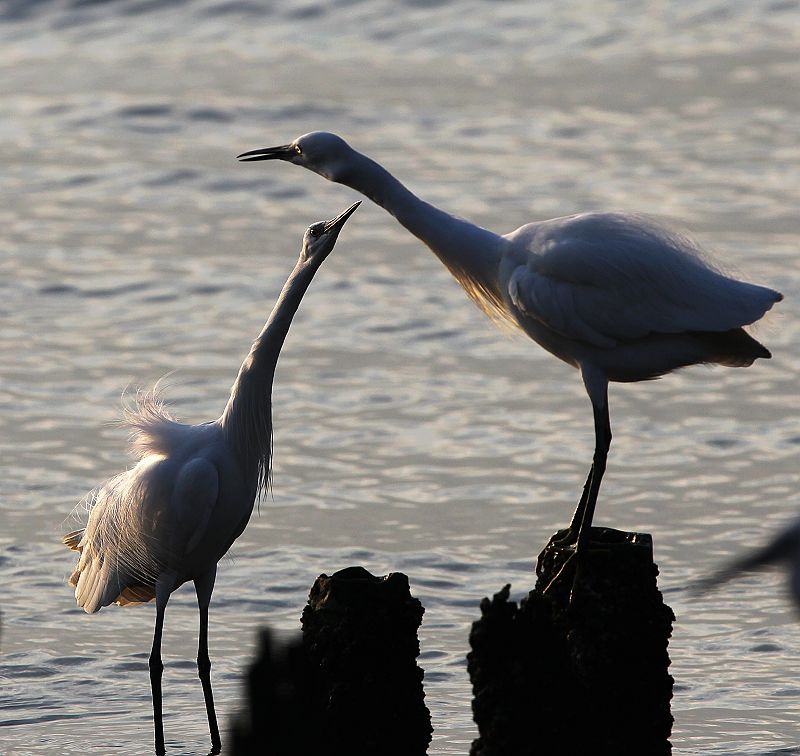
123, 544
153, 430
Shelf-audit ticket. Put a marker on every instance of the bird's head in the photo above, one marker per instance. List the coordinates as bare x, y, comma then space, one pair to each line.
324, 153
320, 238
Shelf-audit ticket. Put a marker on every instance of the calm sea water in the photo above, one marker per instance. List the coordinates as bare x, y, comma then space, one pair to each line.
409, 435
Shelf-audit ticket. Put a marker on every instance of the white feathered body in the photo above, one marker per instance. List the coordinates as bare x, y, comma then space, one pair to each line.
616, 294
174, 515
627, 295
620, 292
178, 509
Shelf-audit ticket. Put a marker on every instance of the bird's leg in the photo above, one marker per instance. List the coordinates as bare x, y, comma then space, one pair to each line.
573, 531
602, 431
577, 517
204, 586
156, 666
597, 387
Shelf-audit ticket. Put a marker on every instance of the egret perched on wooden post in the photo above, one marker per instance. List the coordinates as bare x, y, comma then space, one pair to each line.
173, 516
619, 296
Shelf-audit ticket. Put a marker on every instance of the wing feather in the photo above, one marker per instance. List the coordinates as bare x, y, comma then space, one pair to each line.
609, 278
194, 498
122, 544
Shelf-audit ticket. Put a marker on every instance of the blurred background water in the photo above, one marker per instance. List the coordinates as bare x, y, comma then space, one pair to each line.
409, 435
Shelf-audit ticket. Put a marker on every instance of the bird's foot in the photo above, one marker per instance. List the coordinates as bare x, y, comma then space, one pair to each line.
560, 572
565, 537
573, 562
562, 540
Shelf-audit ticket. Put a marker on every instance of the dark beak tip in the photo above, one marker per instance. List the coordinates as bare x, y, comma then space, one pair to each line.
265, 153
338, 222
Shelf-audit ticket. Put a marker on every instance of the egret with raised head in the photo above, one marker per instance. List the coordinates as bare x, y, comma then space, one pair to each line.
171, 517
620, 296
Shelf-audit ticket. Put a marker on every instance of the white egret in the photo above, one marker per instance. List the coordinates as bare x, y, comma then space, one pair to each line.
173, 516
619, 296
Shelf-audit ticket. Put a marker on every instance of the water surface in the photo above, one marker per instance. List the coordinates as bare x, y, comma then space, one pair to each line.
409, 434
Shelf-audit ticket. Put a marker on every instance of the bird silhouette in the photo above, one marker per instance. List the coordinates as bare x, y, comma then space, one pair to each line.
782, 551
620, 296
172, 517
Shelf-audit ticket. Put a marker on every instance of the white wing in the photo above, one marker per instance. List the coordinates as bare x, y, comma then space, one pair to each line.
136, 529
193, 500
608, 278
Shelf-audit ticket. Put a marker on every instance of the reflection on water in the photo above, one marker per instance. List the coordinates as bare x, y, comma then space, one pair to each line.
409, 435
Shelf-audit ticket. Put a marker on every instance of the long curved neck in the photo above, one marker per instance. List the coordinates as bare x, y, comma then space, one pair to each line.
247, 417
462, 246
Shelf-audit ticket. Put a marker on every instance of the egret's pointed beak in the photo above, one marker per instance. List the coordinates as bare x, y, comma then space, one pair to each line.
335, 226
284, 152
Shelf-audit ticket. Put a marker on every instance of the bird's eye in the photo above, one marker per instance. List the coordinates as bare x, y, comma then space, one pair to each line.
313, 231
298, 149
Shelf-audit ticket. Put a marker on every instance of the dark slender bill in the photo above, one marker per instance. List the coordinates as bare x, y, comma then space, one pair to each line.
267, 153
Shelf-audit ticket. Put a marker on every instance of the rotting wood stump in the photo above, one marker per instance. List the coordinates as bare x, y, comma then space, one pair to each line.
279, 716
351, 685
588, 676
360, 636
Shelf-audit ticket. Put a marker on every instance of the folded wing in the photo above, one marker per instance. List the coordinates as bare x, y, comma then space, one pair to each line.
606, 278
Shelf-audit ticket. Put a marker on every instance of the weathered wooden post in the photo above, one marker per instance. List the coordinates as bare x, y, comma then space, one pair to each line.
351, 685
360, 635
588, 676
279, 717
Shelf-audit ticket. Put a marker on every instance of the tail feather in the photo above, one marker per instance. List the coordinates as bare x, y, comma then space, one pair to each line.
91, 581
122, 549
136, 594
98, 583
734, 348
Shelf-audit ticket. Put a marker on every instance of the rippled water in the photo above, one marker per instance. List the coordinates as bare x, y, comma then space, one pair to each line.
409, 435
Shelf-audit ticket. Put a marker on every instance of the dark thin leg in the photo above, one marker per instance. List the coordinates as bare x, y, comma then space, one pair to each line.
602, 431
581, 524
156, 668
574, 530
204, 587
577, 517
602, 443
